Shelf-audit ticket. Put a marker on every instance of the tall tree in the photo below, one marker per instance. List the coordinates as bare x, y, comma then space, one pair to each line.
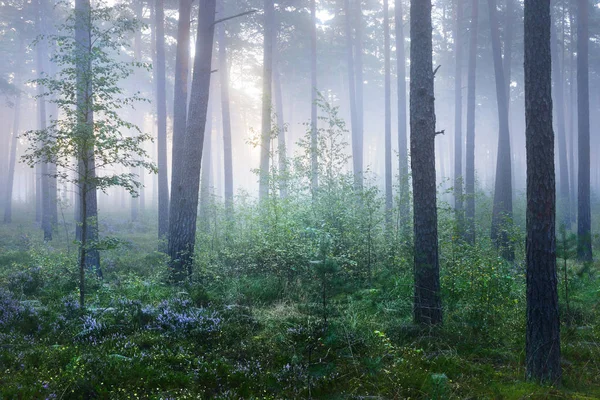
313, 97
266, 100
427, 301
584, 221
559, 102
470, 156
388, 115
502, 210
542, 350
404, 210
458, 139
180, 101
184, 199
358, 76
161, 118
137, 202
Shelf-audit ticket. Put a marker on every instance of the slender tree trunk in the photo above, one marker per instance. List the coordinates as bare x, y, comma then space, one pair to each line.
356, 142
281, 141
502, 210
313, 98
404, 206
184, 198
509, 27
543, 327
88, 217
572, 119
266, 101
427, 301
470, 158
136, 201
458, 139
15, 135
161, 117
584, 222
559, 102
226, 117
180, 96
389, 203
206, 168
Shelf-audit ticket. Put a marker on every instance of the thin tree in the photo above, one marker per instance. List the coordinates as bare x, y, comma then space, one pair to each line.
458, 139
184, 199
542, 349
584, 222
427, 300
356, 140
470, 149
503, 207
161, 118
263, 191
358, 155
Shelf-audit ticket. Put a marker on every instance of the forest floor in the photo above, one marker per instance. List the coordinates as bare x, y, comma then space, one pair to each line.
253, 336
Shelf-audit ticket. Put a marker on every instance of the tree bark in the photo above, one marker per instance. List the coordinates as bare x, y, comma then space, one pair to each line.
358, 57
161, 117
427, 301
180, 103
356, 142
184, 200
458, 139
584, 222
502, 210
470, 156
266, 101
543, 327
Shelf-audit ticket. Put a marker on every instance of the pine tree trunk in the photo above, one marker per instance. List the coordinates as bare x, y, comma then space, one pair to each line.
356, 142
584, 223
427, 301
502, 210
184, 200
470, 156
458, 139
543, 327
180, 105
358, 59
389, 203
266, 101
161, 117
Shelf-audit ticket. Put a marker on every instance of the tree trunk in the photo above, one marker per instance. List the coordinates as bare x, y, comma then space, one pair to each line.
88, 203
180, 106
266, 101
584, 223
502, 210
559, 102
572, 119
427, 301
404, 206
206, 168
184, 197
543, 327
313, 98
458, 139
136, 201
470, 157
226, 117
15, 135
389, 202
356, 142
161, 117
